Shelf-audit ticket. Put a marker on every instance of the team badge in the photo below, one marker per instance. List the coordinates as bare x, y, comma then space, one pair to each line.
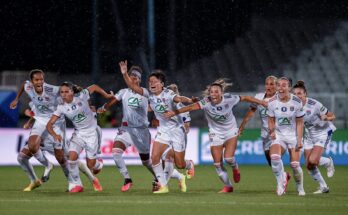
308, 112
219, 108
40, 99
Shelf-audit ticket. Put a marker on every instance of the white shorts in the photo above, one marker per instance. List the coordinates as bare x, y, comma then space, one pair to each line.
321, 140
266, 142
140, 137
91, 143
286, 142
174, 138
39, 129
218, 139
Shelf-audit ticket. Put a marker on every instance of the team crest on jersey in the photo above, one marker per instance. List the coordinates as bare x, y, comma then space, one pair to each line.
158, 100
283, 109
292, 108
79, 104
219, 108
308, 112
47, 98
73, 107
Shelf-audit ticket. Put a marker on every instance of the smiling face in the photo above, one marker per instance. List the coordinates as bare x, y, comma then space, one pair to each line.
37, 81
155, 85
215, 93
270, 87
299, 92
66, 93
283, 87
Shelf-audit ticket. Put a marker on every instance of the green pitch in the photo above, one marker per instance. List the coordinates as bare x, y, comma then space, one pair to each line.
255, 194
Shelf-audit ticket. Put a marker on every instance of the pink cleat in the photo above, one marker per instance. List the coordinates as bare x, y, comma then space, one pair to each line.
76, 189
127, 185
236, 175
190, 173
226, 189
96, 185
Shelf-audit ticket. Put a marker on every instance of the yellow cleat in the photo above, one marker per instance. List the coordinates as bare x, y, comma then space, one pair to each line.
182, 184
32, 186
162, 189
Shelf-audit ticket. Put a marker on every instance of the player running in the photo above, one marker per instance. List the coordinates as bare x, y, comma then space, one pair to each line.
270, 91
223, 131
87, 134
170, 132
134, 129
285, 122
319, 131
44, 97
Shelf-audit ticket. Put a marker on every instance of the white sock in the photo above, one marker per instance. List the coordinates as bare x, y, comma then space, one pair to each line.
41, 158
324, 161
232, 162
120, 164
222, 174
277, 168
157, 168
177, 175
86, 171
316, 175
65, 169
298, 174
98, 165
74, 174
168, 168
23, 160
148, 165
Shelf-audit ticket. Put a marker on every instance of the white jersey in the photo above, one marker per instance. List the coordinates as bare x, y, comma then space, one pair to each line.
314, 125
79, 112
185, 117
44, 104
220, 116
134, 108
263, 113
162, 103
285, 114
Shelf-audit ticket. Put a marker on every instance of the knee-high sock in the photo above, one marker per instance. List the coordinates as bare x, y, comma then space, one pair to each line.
41, 158
324, 161
65, 169
168, 168
188, 164
298, 174
120, 164
74, 174
222, 174
148, 165
23, 160
316, 175
86, 171
277, 168
232, 162
177, 175
158, 169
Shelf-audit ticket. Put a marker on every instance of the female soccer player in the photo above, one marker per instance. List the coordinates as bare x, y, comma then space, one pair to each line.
170, 132
223, 131
270, 91
319, 130
87, 134
285, 123
134, 129
44, 98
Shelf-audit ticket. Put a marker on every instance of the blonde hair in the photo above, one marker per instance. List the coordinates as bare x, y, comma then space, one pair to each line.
272, 77
221, 82
174, 88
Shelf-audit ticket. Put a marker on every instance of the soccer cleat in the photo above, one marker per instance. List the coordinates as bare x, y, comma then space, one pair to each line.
161, 190
155, 186
330, 169
76, 189
322, 190
236, 175
281, 188
96, 185
32, 186
96, 171
47, 172
301, 193
226, 189
127, 185
182, 184
190, 172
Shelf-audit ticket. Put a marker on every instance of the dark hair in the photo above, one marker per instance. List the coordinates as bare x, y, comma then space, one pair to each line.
75, 88
300, 84
159, 75
287, 79
35, 71
136, 68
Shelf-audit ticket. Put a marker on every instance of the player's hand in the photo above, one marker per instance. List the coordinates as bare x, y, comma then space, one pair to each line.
13, 104
101, 109
123, 66
57, 138
240, 132
169, 114
272, 135
194, 99
29, 113
29, 123
186, 128
110, 95
264, 103
299, 146
324, 117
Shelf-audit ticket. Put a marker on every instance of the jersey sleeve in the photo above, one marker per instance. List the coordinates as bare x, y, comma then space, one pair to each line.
59, 111
84, 95
185, 116
257, 96
300, 111
321, 108
203, 103
27, 86
146, 93
120, 94
170, 94
233, 99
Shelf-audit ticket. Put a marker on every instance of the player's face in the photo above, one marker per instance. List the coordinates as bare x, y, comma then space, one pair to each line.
66, 93
283, 87
300, 93
155, 85
135, 79
215, 94
270, 87
38, 80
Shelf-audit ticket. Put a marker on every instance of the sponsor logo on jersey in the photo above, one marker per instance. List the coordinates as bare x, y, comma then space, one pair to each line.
284, 121
79, 117
42, 108
161, 108
134, 102
263, 112
219, 118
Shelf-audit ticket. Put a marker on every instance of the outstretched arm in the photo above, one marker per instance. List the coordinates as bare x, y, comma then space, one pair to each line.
14, 103
246, 119
106, 106
50, 130
253, 100
127, 79
188, 108
184, 99
95, 88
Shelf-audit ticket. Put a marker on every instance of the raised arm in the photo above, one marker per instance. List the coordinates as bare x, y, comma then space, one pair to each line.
127, 79
95, 88
192, 107
50, 130
14, 103
246, 119
253, 100
299, 131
